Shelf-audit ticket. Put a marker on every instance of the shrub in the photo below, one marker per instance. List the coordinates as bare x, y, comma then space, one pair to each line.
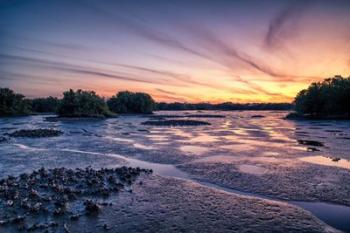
82, 104
13, 104
130, 102
49, 104
330, 97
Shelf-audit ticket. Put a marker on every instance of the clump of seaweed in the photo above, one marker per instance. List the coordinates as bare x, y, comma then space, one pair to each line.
36, 133
310, 143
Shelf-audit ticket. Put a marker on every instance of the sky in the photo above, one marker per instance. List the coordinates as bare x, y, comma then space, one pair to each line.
177, 51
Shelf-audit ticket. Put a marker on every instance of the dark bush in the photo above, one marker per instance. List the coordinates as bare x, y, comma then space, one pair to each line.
82, 104
49, 104
131, 102
330, 97
13, 104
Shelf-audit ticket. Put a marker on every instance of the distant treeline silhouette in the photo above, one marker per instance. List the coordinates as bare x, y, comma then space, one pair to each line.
76, 104
329, 98
88, 104
13, 104
228, 106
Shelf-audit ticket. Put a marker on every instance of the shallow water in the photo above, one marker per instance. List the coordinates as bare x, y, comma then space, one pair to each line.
249, 144
326, 161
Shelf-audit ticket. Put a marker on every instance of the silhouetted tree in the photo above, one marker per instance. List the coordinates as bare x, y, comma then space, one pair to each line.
49, 104
82, 104
228, 106
330, 97
131, 102
13, 104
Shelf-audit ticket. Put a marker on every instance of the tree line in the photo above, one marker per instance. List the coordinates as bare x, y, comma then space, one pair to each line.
329, 98
77, 103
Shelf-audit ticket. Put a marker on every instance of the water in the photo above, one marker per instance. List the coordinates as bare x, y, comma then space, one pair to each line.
253, 146
334, 215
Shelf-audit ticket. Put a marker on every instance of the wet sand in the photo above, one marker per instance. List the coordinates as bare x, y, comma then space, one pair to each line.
261, 156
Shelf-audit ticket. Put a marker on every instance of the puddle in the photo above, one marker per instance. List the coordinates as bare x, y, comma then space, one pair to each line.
203, 138
332, 214
156, 137
238, 147
119, 139
181, 133
271, 153
321, 160
142, 146
24, 147
194, 149
252, 169
218, 159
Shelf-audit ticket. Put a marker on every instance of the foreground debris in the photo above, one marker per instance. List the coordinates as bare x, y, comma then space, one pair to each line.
36, 133
48, 198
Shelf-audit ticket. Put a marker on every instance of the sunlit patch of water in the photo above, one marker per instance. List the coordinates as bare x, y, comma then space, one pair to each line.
252, 169
181, 133
120, 139
204, 138
142, 146
238, 147
326, 161
194, 149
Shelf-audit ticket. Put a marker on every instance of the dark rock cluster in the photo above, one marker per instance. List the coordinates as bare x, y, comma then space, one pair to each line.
188, 116
310, 143
176, 123
36, 133
257, 116
49, 198
3, 139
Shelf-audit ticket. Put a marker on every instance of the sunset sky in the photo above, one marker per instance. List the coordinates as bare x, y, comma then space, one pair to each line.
183, 50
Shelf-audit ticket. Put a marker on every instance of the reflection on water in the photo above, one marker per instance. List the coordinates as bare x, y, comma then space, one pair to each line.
194, 149
326, 161
120, 139
238, 147
142, 146
252, 169
203, 138
262, 142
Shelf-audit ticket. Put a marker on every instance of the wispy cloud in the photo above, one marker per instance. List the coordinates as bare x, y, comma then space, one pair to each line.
72, 68
284, 24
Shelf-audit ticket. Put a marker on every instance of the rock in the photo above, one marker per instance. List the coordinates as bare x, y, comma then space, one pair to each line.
312, 149
91, 207
74, 217
9, 203
51, 191
106, 227
3, 139
310, 143
257, 116
65, 227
